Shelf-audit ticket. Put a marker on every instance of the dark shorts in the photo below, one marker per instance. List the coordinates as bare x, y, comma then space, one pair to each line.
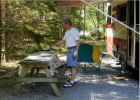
71, 60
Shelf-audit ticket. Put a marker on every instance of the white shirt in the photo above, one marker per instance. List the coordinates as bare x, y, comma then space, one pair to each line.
71, 36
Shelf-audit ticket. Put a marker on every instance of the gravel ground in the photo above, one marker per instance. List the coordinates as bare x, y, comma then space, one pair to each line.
91, 85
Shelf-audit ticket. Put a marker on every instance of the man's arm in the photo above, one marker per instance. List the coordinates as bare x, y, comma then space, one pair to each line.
60, 42
78, 45
77, 48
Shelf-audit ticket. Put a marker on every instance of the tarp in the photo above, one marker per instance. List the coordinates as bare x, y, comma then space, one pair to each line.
88, 53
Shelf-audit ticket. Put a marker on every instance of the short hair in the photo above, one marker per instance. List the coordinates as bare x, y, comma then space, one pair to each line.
67, 21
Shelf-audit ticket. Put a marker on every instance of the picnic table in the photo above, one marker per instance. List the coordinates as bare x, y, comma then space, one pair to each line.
43, 60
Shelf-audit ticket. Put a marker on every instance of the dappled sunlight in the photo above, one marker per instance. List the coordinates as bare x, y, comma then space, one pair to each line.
107, 96
94, 81
111, 82
93, 84
112, 91
11, 65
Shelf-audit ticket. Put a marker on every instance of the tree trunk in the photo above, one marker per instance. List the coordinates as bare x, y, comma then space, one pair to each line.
2, 34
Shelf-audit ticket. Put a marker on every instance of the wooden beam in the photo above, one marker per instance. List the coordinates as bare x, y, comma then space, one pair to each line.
76, 3
55, 90
51, 81
69, 3
48, 80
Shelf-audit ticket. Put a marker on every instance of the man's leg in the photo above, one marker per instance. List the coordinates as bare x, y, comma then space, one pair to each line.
73, 77
73, 71
72, 63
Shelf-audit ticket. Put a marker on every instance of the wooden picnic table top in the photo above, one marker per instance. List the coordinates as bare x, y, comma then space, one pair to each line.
42, 57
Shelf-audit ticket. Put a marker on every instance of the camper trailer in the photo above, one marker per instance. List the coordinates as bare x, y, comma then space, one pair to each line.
126, 43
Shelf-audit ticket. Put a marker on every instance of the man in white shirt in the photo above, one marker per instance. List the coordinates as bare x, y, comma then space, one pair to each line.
72, 42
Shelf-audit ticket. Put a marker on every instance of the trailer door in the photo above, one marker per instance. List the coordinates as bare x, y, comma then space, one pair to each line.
137, 44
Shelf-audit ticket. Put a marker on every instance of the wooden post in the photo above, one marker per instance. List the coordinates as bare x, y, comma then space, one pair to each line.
56, 90
0, 31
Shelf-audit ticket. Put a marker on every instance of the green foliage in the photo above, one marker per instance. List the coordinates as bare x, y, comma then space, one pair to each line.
33, 25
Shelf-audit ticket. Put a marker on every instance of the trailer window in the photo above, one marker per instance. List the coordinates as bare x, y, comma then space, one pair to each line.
109, 13
121, 13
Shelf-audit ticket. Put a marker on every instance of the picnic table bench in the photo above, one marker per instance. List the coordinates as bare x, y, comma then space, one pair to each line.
43, 60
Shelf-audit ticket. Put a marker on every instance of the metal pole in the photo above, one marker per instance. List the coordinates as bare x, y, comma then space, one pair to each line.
80, 15
84, 20
103, 17
97, 16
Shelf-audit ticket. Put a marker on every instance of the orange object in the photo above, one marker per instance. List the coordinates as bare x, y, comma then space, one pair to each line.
96, 53
109, 39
